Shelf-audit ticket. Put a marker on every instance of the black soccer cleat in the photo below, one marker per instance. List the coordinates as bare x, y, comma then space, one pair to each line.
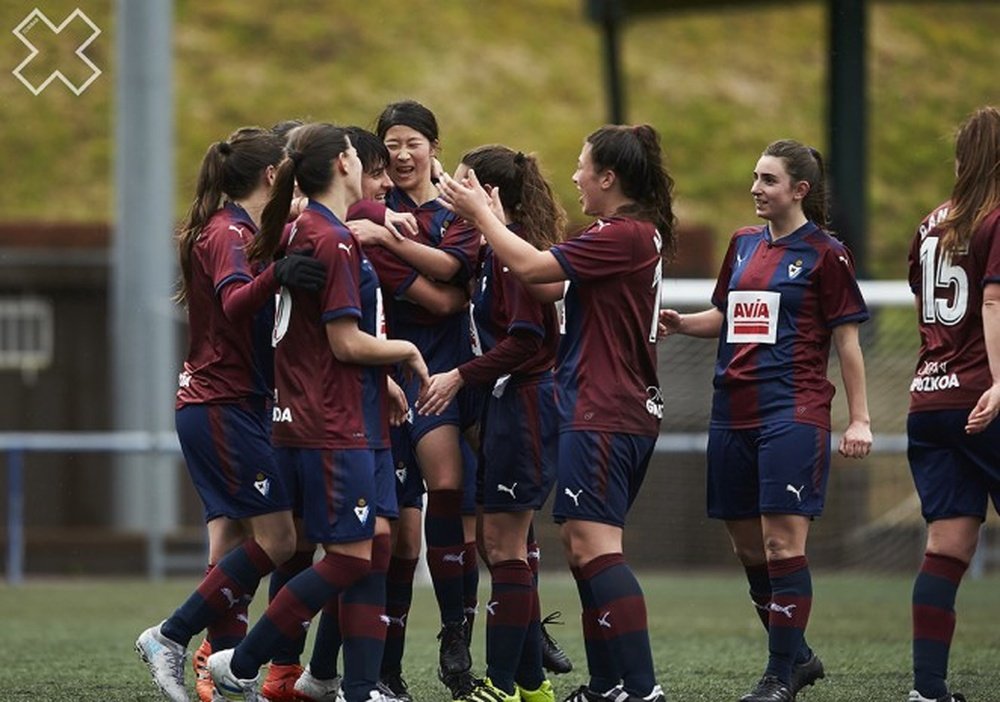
806, 673
394, 687
554, 659
770, 689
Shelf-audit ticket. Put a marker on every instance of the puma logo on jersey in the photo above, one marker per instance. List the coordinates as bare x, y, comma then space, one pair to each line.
603, 619
454, 558
844, 259
795, 491
739, 260
345, 247
786, 610
238, 230
601, 224
510, 490
576, 497
491, 607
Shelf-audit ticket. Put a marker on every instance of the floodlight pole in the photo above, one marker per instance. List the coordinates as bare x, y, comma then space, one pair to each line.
143, 326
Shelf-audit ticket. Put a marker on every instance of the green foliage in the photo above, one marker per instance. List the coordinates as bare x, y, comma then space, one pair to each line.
719, 86
72, 640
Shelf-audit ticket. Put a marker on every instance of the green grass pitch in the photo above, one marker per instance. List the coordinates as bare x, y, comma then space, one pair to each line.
72, 639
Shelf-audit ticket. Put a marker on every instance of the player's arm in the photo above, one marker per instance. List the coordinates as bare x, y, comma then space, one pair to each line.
473, 204
352, 345
705, 324
548, 292
439, 299
432, 262
857, 439
988, 405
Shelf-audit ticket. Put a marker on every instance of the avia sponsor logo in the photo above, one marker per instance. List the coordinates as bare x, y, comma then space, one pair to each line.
752, 316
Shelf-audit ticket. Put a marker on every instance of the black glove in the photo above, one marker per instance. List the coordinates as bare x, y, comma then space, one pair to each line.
300, 271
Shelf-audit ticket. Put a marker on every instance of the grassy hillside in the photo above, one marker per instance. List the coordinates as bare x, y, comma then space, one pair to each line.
527, 73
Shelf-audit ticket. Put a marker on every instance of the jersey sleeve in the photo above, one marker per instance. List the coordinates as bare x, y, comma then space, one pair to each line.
840, 297
367, 209
223, 254
605, 249
524, 311
341, 296
462, 241
395, 275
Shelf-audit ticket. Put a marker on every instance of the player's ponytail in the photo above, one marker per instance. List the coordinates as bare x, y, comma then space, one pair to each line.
231, 169
634, 154
526, 196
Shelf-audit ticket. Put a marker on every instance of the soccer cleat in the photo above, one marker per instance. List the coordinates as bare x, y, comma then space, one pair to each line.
393, 685
279, 685
486, 691
227, 684
554, 659
203, 685
585, 694
165, 660
309, 687
950, 697
544, 693
455, 660
655, 695
769, 689
806, 673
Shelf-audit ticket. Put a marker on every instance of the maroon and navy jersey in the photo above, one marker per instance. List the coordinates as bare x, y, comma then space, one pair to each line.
225, 361
952, 369
606, 367
444, 342
502, 306
780, 301
321, 402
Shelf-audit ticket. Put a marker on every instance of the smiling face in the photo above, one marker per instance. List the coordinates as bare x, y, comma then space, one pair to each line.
589, 182
775, 196
410, 154
375, 183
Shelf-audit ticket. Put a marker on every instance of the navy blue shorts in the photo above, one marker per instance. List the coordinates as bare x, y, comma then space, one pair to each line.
954, 472
409, 482
336, 495
520, 446
777, 469
228, 452
599, 475
386, 503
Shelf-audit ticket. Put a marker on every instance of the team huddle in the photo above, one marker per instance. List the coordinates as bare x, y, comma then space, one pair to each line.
382, 353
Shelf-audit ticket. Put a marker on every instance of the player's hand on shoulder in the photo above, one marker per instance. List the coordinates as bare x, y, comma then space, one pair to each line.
401, 224
369, 233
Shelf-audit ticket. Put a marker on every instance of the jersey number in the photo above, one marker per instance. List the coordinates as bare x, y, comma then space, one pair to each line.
938, 274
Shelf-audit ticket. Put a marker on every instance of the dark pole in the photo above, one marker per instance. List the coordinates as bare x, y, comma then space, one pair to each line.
847, 113
612, 64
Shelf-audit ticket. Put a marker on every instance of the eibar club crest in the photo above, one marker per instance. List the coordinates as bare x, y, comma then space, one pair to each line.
361, 510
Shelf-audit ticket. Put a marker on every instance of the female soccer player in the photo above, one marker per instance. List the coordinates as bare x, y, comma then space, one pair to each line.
331, 413
607, 392
954, 442
320, 681
785, 289
223, 410
447, 251
517, 338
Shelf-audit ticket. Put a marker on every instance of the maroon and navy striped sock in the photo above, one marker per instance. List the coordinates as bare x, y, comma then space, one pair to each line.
760, 594
530, 674
326, 646
791, 601
508, 613
362, 608
470, 585
288, 616
300, 561
934, 592
398, 598
230, 585
446, 552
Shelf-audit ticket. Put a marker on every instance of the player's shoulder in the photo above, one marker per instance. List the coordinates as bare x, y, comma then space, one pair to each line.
755, 230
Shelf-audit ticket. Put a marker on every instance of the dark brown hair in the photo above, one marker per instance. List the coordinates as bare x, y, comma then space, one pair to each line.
634, 154
525, 194
230, 169
977, 178
805, 163
311, 150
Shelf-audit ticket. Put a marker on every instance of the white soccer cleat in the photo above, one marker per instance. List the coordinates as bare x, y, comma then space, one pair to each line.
165, 660
227, 684
312, 688
917, 697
